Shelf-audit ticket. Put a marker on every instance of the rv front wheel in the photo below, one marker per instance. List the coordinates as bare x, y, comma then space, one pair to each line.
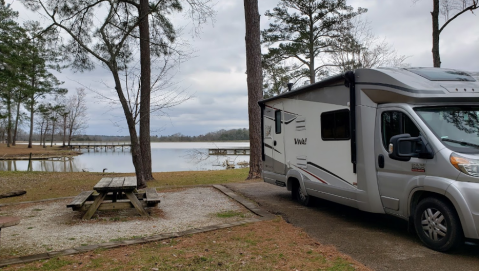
300, 196
437, 224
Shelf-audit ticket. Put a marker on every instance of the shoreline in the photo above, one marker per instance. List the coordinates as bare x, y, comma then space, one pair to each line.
21, 152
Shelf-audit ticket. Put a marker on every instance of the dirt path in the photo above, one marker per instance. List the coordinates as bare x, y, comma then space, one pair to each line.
380, 242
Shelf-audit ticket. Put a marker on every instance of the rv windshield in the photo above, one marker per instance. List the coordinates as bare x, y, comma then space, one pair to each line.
456, 126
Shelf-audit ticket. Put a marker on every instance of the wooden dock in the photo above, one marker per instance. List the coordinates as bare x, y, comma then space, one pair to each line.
229, 151
41, 157
99, 146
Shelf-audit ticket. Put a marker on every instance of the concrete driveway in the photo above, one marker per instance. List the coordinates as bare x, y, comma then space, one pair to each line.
380, 242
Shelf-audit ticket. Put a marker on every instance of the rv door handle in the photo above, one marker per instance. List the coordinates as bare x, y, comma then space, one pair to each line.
274, 143
381, 161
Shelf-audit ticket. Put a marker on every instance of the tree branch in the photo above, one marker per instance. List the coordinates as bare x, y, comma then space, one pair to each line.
471, 8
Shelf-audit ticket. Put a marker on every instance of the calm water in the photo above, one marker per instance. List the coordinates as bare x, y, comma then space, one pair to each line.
165, 157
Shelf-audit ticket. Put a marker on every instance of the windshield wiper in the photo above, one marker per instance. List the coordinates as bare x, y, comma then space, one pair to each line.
463, 143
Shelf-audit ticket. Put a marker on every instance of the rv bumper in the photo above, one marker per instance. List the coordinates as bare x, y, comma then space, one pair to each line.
465, 197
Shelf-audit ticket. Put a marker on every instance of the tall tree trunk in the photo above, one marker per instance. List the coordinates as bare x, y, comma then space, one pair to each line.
41, 133
64, 128
45, 134
53, 131
32, 110
70, 134
312, 72
145, 79
135, 145
69, 137
435, 34
255, 84
30, 137
15, 129
9, 119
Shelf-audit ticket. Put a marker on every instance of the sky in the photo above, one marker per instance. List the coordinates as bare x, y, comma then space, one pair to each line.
215, 76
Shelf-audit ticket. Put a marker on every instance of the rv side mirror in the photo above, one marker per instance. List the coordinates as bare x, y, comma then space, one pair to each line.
403, 147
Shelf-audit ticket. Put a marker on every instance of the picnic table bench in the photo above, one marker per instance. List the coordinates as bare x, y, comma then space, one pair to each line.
115, 194
8, 221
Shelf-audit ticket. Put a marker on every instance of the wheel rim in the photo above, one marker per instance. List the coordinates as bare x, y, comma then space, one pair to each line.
434, 224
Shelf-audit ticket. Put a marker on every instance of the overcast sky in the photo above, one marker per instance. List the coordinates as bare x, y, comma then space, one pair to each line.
216, 78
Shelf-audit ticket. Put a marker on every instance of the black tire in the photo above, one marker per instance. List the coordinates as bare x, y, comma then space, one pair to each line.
438, 225
299, 196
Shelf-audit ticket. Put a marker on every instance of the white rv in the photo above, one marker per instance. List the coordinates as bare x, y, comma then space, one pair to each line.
400, 141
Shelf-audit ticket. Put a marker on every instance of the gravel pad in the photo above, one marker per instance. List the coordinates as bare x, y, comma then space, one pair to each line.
50, 226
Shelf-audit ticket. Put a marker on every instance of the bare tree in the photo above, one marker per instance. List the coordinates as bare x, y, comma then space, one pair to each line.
75, 114
358, 47
64, 115
44, 121
107, 39
55, 114
450, 10
164, 92
19, 115
255, 84
107, 31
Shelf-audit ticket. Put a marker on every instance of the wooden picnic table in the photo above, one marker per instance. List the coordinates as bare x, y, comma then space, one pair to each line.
115, 193
8, 221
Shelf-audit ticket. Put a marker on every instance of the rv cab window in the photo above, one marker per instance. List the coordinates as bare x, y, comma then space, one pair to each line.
396, 123
277, 121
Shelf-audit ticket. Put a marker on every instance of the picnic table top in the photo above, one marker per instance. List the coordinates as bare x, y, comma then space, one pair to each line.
7, 221
116, 184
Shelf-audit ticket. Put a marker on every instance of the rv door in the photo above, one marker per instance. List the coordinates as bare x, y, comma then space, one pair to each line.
278, 140
268, 132
394, 176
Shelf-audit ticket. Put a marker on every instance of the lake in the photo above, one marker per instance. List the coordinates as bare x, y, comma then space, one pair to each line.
174, 156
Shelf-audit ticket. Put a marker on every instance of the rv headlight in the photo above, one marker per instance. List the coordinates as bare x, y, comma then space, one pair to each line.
465, 165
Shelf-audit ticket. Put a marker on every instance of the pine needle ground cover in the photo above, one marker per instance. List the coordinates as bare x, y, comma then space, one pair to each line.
268, 245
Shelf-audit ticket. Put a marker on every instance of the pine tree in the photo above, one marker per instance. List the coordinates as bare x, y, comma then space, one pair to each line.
40, 57
255, 83
11, 62
302, 31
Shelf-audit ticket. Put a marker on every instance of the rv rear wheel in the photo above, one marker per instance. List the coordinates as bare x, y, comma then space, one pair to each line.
300, 196
437, 224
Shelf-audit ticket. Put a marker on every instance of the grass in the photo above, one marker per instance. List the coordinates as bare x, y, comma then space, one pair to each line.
228, 214
22, 150
45, 185
255, 246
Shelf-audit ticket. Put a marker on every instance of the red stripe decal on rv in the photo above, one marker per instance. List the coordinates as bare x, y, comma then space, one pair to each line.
315, 176
312, 175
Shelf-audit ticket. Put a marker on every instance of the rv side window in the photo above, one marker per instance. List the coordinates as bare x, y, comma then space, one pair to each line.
396, 123
335, 125
277, 121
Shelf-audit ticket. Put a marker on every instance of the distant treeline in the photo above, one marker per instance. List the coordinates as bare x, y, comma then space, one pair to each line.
221, 135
